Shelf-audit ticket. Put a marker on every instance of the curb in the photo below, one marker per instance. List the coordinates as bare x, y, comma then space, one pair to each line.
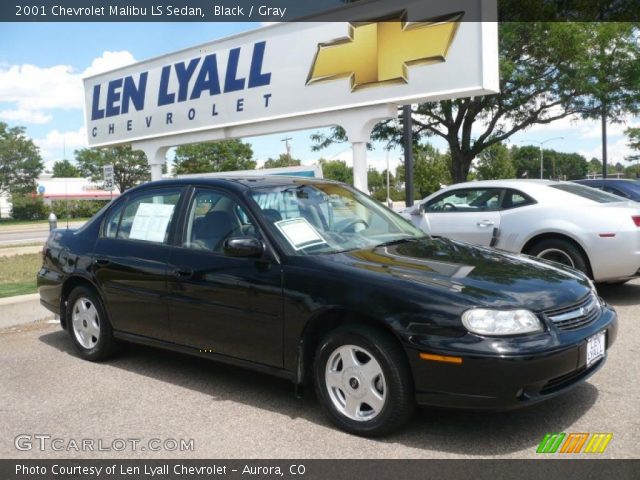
21, 310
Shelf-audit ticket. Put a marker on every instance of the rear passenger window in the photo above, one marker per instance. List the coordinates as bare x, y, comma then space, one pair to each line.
112, 221
148, 216
515, 199
615, 191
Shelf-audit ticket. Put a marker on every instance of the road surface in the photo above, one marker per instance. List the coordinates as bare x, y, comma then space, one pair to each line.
146, 394
26, 234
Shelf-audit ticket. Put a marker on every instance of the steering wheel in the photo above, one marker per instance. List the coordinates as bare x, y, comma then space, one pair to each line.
449, 206
353, 223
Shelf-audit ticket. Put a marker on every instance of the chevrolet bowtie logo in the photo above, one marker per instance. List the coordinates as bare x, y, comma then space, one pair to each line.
376, 53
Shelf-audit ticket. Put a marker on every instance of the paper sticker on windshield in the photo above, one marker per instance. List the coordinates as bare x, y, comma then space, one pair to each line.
151, 222
299, 233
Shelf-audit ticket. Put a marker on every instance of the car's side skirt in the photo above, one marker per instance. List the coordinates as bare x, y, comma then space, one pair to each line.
152, 342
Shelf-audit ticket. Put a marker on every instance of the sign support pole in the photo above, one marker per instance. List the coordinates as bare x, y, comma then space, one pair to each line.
358, 123
360, 169
156, 156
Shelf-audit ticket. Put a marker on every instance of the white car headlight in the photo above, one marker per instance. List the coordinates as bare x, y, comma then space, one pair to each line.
500, 322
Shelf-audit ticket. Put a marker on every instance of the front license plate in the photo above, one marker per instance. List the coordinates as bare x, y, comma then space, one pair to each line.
595, 348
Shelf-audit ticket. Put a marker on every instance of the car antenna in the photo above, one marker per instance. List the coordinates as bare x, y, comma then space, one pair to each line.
66, 196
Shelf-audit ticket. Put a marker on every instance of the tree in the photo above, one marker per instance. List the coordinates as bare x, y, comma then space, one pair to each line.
526, 161
594, 166
634, 138
543, 67
612, 74
284, 160
221, 156
495, 162
572, 166
375, 180
65, 169
129, 167
430, 170
20, 161
569, 166
336, 170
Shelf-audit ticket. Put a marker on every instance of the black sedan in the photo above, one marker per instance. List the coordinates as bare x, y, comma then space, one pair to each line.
313, 281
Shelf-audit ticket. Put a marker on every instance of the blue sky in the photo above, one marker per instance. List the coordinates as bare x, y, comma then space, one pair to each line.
41, 65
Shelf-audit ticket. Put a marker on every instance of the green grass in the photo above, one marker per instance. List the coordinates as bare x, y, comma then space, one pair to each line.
20, 288
18, 274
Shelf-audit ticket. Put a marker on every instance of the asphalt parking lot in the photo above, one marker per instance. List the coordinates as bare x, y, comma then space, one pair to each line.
232, 413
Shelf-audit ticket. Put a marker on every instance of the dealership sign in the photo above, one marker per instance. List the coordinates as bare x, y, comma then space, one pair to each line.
290, 70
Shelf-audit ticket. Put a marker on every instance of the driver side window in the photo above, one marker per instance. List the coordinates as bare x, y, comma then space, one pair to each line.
468, 200
212, 218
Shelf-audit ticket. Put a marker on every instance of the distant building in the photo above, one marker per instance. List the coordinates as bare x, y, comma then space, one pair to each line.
50, 189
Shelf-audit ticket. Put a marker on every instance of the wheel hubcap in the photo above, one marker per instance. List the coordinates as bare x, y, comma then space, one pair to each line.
86, 323
356, 383
557, 255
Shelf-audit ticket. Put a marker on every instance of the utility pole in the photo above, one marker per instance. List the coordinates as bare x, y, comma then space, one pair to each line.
604, 141
407, 140
287, 146
541, 144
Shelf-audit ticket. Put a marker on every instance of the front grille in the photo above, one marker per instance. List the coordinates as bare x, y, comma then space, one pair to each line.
577, 315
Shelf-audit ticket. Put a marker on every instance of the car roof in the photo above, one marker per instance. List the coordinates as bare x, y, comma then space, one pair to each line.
507, 183
537, 188
236, 182
629, 181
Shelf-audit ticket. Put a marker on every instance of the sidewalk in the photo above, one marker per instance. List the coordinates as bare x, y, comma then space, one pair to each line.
21, 310
38, 226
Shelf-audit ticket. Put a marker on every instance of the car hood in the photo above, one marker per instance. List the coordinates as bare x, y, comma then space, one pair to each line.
477, 276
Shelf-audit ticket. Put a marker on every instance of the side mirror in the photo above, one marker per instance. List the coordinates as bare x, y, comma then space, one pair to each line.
419, 210
247, 247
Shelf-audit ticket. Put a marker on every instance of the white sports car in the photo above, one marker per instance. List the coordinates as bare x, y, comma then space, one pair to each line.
591, 230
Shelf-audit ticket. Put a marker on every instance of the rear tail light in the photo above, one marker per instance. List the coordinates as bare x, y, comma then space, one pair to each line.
636, 220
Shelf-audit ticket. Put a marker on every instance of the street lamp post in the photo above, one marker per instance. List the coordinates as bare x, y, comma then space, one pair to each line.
541, 144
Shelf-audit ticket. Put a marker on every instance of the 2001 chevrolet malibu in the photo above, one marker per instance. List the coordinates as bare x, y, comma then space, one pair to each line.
315, 282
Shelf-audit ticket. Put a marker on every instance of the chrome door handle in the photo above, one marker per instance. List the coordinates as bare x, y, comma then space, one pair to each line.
485, 223
101, 261
183, 273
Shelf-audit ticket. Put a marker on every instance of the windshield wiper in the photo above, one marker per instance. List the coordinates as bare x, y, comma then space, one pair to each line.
397, 241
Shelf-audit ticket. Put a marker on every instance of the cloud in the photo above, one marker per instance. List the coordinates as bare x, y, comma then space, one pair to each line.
55, 142
109, 61
33, 90
25, 116
617, 151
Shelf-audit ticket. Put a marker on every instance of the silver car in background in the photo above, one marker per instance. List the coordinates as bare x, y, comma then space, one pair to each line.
591, 230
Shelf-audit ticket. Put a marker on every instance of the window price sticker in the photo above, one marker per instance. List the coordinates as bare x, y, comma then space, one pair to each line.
151, 222
299, 233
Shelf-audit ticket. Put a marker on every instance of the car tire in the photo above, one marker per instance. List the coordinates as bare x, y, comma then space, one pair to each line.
561, 251
356, 364
89, 325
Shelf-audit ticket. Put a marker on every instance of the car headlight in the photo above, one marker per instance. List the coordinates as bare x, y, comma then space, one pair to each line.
594, 291
491, 322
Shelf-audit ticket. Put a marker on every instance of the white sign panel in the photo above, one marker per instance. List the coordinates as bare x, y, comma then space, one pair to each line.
107, 174
151, 222
295, 69
299, 233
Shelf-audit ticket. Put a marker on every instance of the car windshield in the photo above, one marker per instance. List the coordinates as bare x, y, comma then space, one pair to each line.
589, 193
319, 218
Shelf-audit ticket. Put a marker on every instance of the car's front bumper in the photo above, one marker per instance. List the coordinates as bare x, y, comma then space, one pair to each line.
503, 382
